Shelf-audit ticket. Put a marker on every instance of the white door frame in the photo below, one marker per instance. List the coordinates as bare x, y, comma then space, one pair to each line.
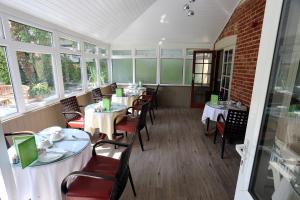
262, 75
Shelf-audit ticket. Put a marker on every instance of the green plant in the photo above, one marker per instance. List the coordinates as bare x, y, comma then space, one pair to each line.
39, 90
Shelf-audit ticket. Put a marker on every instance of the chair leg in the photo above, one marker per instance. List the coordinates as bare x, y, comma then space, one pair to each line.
126, 134
141, 141
223, 147
148, 138
215, 137
156, 104
131, 182
151, 117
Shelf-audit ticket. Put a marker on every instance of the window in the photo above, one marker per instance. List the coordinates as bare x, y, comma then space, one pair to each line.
203, 65
226, 73
24, 33
103, 52
171, 71
71, 73
171, 53
36, 73
190, 52
188, 72
69, 44
103, 71
121, 52
7, 98
145, 53
145, 70
122, 70
91, 73
89, 48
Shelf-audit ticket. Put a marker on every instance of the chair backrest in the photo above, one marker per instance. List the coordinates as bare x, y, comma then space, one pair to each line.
8, 136
113, 87
156, 91
143, 115
236, 124
97, 94
70, 104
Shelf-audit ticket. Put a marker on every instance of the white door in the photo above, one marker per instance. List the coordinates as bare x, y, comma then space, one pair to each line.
270, 166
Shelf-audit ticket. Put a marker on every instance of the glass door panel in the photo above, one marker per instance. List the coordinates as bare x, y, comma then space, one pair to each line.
276, 169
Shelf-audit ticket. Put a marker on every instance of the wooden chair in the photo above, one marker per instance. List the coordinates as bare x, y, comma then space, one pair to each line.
129, 124
10, 135
98, 96
102, 178
141, 100
113, 87
233, 128
154, 93
71, 111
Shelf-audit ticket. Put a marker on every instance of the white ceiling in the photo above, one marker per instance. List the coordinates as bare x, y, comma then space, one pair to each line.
202, 29
130, 22
99, 19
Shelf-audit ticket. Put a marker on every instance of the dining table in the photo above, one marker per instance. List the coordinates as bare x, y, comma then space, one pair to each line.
102, 120
127, 99
211, 111
41, 180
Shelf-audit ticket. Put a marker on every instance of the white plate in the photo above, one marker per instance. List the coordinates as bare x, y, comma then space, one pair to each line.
50, 156
57, 139
51, 130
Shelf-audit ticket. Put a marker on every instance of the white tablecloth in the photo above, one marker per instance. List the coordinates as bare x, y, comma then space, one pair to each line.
212, 111
104, 121
43, 182
124, 100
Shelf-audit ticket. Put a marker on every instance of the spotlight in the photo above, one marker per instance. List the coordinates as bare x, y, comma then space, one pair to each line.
192, 1
190, 13
186, 6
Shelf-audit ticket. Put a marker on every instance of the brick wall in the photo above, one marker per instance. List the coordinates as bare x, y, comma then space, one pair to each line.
246, 23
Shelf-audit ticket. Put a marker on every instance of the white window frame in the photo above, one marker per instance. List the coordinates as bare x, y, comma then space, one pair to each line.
145, 57
231, 70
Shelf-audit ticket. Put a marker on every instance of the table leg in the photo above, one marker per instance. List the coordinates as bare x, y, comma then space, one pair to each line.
207, 125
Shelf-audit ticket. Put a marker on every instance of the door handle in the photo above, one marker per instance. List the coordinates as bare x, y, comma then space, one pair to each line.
242, 150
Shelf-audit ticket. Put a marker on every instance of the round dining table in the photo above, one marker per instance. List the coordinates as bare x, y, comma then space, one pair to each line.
42, 180
125, 100
211, 111
102, 120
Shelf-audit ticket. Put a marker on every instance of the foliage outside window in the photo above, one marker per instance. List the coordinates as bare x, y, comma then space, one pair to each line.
69, 44
24, 33
171, 71
7, 98
91, 73
145, 70
122, 70
71, 73
89, 48
36, 73
103, 71
188, 71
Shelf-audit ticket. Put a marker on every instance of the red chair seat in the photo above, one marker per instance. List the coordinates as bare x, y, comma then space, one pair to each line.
220, 126
103, 165
127, 124
93, 189
77, 123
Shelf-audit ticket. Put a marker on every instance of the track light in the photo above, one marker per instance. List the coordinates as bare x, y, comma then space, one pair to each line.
186, 6
192, 1
190, 13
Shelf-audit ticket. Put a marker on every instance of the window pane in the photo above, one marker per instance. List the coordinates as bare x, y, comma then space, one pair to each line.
171, 53
171, 71
198, 68
1, 30
146, 70
7, 97
206, 79
146, 53
198, 78
24, 33
122, 70
103, 71
207, 58
71, 73
188, 71
103, 52
121, 52
89, 48
69, 44
36, 72
190, 52
206, 68
91, 73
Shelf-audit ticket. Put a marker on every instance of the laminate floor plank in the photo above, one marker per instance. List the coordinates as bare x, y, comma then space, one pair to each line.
180, 161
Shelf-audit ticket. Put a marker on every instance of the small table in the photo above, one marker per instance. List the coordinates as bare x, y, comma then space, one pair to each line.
41, 181
104, 121
211, 112
126, 100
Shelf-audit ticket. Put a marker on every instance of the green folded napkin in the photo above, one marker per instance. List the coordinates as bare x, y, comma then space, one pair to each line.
26, 149
106, 104
119, 92
214, 99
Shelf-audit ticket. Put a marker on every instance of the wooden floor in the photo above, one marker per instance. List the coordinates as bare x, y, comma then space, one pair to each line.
179, 161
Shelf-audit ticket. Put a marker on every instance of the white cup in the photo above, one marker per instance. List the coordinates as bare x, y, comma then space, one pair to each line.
44, 144
55, 136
